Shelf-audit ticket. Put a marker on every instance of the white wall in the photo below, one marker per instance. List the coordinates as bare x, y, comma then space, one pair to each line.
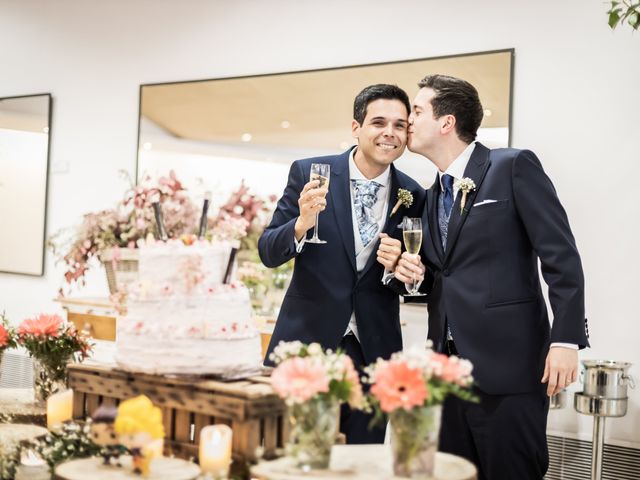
576, 104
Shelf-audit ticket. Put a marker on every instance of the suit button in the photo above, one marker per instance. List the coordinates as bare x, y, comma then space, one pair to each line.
445, 272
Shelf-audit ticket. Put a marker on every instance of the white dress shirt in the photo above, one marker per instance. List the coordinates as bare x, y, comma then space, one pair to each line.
379, 211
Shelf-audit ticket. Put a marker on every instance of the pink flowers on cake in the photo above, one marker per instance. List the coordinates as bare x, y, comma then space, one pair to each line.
41, 326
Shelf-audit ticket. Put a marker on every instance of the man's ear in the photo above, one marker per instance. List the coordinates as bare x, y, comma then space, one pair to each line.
449, 124
355, 128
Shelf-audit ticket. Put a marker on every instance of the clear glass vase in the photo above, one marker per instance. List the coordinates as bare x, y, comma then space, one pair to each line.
314, 426
48, 378
414, 441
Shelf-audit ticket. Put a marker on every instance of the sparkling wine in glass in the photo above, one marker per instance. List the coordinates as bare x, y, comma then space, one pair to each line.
320, 172
412, 236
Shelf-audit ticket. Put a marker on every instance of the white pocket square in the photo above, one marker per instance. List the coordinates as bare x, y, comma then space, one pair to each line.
484, 202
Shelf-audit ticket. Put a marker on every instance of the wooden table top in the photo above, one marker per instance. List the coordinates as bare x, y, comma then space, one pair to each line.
163, 468
20, 405
362, 462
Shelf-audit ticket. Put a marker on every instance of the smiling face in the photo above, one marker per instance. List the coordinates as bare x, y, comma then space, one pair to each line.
382, 136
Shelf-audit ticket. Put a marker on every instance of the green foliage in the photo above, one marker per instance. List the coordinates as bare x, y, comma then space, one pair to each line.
624, 11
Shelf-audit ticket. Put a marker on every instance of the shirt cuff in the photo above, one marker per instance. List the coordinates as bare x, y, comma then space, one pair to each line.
299, 244
564, 345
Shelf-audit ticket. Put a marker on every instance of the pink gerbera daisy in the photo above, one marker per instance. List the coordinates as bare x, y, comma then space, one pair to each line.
399, 386
4, 337
41, 326
299, 379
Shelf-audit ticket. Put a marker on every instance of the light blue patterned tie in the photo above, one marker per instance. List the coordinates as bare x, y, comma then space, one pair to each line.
364, 198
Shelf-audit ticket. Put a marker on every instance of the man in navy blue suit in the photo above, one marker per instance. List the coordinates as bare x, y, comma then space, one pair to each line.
336, 296
489, 217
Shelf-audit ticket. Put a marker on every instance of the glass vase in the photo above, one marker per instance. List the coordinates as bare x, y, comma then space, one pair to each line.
314, 426
414, 441
48, 378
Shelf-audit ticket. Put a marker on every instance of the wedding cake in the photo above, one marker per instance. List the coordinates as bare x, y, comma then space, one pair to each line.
185, 314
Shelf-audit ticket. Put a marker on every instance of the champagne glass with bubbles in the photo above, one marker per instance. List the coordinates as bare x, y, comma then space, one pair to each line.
412, 236
320, 172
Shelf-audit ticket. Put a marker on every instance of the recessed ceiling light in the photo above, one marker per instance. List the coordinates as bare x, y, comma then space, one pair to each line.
488, 112
285, 124
147, 145
246, 137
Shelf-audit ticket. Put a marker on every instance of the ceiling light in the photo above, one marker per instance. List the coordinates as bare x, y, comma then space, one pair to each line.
285, 124
147, 145
246, 137
488, 112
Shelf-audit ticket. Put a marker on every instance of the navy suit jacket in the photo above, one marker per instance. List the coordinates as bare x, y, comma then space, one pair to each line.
486, 284
326, 287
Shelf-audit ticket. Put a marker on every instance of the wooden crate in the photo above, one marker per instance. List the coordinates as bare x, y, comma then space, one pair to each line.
249, 406
93, 315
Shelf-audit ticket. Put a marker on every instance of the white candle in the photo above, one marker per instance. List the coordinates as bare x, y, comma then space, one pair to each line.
215, 450
59, 408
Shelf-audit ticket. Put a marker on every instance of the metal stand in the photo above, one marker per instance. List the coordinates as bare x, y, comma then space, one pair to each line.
600, 408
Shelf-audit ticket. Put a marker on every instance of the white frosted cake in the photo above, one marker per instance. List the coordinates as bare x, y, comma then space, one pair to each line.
182, 319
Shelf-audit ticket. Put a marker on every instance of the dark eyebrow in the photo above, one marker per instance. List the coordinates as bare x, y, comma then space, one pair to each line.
375, 119
416, 107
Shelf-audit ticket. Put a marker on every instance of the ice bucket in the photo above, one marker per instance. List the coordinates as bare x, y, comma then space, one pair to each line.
606, 379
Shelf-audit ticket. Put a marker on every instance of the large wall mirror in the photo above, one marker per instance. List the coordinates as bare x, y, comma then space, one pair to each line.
25, 124
219, 132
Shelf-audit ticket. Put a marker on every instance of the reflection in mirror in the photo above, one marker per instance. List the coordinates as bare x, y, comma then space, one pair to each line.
24, 157
226, 130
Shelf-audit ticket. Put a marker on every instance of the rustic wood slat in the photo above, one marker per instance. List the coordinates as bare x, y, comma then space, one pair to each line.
78, 405
93, 402
200, 421
182, 427
270, 440
246, 438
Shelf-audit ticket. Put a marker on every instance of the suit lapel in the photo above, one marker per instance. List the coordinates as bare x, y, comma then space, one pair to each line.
431, 212
476, 170
340, 191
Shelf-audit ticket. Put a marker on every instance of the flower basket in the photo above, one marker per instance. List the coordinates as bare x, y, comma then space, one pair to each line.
121, 265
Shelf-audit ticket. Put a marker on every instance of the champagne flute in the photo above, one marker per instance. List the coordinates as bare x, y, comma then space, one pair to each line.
320, 172
412, 236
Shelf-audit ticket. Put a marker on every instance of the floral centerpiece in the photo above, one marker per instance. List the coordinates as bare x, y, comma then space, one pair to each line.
130, 220
7, 336
314, 383
52, 344
410, 387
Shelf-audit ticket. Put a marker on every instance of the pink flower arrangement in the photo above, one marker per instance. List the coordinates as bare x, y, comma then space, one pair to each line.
4, 337
41, 326
299, 379
399, 386
306, 372
416, 378
7, 334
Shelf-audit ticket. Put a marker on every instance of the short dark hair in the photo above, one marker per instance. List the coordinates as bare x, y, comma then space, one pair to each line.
457, 97
376, 92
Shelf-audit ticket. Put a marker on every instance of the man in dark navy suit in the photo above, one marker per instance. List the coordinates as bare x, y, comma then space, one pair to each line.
336, 296
489, 217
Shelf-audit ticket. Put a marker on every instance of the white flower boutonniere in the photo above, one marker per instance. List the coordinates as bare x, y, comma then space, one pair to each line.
465, 185
405, 198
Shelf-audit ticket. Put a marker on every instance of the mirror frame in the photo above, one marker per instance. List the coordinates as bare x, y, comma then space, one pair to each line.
442, 57
46, 186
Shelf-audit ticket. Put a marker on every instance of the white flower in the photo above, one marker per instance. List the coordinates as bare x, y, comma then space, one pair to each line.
465, 185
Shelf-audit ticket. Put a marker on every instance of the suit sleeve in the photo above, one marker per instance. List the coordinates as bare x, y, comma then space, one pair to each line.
547, 226
277, 244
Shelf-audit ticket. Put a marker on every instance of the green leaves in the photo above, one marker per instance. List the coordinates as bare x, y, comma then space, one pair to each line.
622, 11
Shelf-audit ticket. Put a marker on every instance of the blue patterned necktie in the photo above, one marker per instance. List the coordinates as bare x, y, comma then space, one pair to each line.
365, 194
444, 208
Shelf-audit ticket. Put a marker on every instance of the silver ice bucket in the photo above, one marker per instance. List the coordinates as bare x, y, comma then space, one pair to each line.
606, 379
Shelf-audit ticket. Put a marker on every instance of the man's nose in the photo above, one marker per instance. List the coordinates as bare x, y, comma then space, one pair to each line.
389, 130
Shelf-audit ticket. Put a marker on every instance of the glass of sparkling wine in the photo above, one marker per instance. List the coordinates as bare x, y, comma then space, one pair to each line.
320, 172
412, 235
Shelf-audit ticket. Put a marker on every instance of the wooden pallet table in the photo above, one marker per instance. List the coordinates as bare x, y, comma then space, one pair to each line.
249, 406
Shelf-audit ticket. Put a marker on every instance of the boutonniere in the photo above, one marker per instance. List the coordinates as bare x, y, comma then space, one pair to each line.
405, 198
465, 185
